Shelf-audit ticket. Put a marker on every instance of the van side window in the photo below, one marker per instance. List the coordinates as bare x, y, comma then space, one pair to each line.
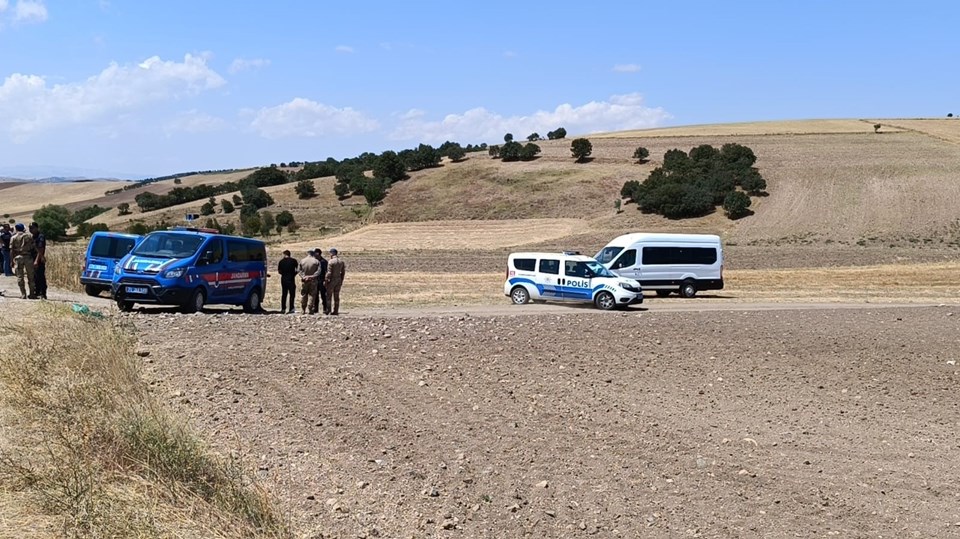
237, 251
216, 246
525, 264
573, 268
626, 260
550, 266
653, 256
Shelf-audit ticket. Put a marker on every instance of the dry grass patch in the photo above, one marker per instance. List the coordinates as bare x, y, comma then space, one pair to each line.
22, 200
95, 455
785, 127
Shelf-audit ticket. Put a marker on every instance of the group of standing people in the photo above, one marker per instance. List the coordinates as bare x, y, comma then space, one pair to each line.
320, 282
26, 253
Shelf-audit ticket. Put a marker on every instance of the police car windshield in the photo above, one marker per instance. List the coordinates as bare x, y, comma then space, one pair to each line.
607, 254
598, 270
168, 245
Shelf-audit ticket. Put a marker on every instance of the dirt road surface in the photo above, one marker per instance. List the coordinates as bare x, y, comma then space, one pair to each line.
567, 422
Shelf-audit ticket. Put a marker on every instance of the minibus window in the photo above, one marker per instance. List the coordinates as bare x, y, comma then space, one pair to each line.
626, 260
607, 254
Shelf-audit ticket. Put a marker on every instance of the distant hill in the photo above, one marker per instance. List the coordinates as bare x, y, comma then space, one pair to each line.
829, 181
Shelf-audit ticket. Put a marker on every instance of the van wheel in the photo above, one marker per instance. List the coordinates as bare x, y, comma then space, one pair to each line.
688, 289
519, 295
605, 301
252, 305
125, 306
91, 290
663, 293
195, 303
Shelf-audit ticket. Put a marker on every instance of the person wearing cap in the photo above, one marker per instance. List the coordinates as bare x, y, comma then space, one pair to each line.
321, 292
39, 260
336, 270
288, 269
21, 248
309, 267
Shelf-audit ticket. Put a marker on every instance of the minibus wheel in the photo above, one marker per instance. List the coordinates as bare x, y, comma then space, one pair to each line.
252, 304
195, 303
605, 301
688, 289
519, 295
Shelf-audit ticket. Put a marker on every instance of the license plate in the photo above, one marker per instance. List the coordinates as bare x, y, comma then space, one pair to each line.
97, 267
136, 290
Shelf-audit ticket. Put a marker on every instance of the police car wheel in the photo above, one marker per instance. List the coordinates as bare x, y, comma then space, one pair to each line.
605, 301
688, 289
252, 304
519, 295
91, 289
125, 306
195, 304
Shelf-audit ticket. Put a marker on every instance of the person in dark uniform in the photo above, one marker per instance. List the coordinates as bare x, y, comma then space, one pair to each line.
321, 291
39, 260
5, 236
288, 269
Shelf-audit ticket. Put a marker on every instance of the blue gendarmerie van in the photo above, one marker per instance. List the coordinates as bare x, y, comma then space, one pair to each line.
192, 267
103, 252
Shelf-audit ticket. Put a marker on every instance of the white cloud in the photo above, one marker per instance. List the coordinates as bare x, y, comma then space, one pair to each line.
194, 121
4, 4
346, 49
305, 118
30, 11
619, 113
244, 64
509, 54
626, 68
29, 106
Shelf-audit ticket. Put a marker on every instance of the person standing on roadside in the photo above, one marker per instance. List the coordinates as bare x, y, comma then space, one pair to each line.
39, 260
288, 269
336, 270
321, 278
309, 267
21, 247
5, 236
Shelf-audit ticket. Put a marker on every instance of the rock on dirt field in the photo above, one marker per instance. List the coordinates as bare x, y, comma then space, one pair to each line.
654, 424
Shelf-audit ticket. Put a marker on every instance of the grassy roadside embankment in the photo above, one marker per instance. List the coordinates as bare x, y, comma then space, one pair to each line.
87, 451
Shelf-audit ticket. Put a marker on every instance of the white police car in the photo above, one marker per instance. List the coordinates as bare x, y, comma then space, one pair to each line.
567, 277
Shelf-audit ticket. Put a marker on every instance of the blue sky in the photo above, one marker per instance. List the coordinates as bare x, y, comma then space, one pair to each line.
130, 87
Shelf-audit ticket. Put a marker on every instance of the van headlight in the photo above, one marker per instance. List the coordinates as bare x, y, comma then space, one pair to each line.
630, 287
174, 273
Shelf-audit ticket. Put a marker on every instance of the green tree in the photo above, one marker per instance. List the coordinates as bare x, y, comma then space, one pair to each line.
305, 189
206, 209
736, 204
124, 208
53, 220
581, 149
389, 167
137, 228
557, 134
529, 151
511, 151
629, 189
266, 177
84, 214
267, 223
252, 225
753, 183
257, 198
641, 154
876, 127
374, 192
508, 137
226, 205
237, 200
284, 218
533, 137
456, 153
342, 190
177, 181
494, 151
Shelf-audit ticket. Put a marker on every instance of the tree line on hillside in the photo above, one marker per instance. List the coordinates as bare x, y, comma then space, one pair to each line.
693, 184
174, 177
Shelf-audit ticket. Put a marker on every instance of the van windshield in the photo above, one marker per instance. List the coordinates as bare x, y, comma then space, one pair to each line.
599, 270
169, 245
607, 254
